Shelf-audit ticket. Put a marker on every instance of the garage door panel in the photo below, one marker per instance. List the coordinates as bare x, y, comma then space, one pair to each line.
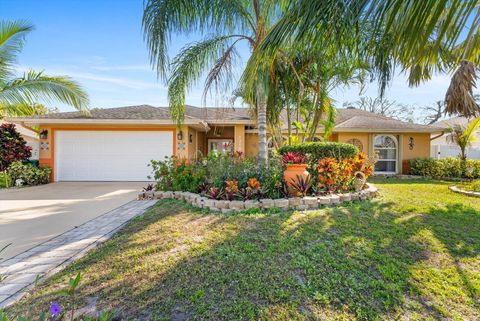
109, 155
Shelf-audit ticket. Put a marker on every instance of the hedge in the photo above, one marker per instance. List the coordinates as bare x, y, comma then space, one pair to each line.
444, 168
28, 174
319, 150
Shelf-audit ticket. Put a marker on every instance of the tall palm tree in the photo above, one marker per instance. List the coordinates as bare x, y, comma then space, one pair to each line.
19, 95
228, 24
464, 136
422, 37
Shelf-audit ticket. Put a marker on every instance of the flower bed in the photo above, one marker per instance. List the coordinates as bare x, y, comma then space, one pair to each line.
233, 182
297, 203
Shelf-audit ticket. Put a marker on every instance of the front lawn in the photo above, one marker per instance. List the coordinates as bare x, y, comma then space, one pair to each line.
411, 254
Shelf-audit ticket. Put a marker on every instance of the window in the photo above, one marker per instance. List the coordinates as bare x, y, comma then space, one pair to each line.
220, 146
386, 149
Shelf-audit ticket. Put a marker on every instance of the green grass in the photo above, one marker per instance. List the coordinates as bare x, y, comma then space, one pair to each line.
473, 186
3, 182
411, 254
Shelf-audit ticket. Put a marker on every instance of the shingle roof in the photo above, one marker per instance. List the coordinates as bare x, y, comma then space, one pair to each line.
346, 119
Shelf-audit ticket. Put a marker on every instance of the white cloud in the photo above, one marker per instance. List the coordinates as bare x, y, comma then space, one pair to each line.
96, 77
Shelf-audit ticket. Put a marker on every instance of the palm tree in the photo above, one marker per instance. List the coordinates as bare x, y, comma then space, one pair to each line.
422, 37
228, 24
464, 136
19, 95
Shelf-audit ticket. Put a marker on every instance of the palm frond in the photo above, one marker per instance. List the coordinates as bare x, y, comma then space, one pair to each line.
221, 75
459, 98
189, 65
12, 39
162, 18
34, 87
469, 133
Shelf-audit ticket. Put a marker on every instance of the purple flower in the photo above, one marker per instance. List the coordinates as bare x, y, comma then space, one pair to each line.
55, 309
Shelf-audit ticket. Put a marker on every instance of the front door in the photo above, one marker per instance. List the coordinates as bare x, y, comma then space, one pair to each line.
220, 146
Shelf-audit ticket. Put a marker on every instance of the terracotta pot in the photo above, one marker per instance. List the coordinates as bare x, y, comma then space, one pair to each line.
292, 172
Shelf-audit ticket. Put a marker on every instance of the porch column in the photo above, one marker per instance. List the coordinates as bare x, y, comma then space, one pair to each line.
239, 138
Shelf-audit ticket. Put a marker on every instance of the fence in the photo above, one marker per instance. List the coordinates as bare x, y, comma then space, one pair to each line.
444, 151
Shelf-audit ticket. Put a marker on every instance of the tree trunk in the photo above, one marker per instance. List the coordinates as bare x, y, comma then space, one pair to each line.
262, 125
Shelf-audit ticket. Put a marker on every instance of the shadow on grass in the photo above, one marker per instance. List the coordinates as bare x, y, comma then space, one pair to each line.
348, 262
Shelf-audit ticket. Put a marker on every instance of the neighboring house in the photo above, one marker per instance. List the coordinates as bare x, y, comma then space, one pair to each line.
32, 140
443, 148
115, 144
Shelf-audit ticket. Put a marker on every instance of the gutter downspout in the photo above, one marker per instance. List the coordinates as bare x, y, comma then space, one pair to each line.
438, 136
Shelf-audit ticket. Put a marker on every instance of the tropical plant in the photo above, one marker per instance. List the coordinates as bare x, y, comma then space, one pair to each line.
301, 186
28, 174
464, 136
294, 158
423, 37
13, 147
19, 95
230, 23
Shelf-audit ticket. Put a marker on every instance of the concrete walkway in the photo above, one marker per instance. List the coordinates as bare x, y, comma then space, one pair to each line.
43, 260
32, 215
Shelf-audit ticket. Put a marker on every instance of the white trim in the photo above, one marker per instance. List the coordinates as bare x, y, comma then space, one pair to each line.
396, 149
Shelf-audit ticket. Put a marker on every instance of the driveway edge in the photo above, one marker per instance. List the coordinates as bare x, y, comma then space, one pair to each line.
22, 271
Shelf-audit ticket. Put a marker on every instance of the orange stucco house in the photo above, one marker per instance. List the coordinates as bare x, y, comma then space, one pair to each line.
115, 144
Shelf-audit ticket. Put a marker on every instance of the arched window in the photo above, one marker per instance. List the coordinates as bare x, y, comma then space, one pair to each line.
386, 149
356, 142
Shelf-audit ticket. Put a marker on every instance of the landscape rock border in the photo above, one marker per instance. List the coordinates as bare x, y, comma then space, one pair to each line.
297, 203
455, 189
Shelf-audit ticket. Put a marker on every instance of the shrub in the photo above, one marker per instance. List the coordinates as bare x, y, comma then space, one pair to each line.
316, 151
334, 175
28, 174
177, 175
221, 177
444, 168
12, 146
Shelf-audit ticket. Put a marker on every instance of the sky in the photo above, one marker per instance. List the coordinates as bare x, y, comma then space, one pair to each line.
100, 44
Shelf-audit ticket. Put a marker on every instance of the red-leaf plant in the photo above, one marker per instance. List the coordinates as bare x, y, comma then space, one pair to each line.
294, 158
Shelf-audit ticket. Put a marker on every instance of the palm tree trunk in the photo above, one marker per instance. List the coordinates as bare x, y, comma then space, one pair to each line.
262, 125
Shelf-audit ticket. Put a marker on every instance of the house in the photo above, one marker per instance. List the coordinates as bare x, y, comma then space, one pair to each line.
115, 144
442, 147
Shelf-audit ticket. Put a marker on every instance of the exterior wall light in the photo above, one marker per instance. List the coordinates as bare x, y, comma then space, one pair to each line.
411, 143
43, 134
180, 135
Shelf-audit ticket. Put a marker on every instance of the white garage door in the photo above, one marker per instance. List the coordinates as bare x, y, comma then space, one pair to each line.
109, 155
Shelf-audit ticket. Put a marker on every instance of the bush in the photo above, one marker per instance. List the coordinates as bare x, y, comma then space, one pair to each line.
29, 174
12, 146
444, 168
317, 151
221, 177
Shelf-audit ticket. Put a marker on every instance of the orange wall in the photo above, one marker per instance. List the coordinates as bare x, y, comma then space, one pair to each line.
421, 145
251, 145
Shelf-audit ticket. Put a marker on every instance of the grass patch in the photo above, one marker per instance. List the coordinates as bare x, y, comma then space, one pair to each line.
473, 186
412, 253
4, 180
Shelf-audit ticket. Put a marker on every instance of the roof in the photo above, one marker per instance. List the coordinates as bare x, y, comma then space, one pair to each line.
459, 120
361, 120
347, 119
24, 131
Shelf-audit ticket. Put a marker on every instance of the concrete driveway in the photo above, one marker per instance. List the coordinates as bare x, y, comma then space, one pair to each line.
32, 215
